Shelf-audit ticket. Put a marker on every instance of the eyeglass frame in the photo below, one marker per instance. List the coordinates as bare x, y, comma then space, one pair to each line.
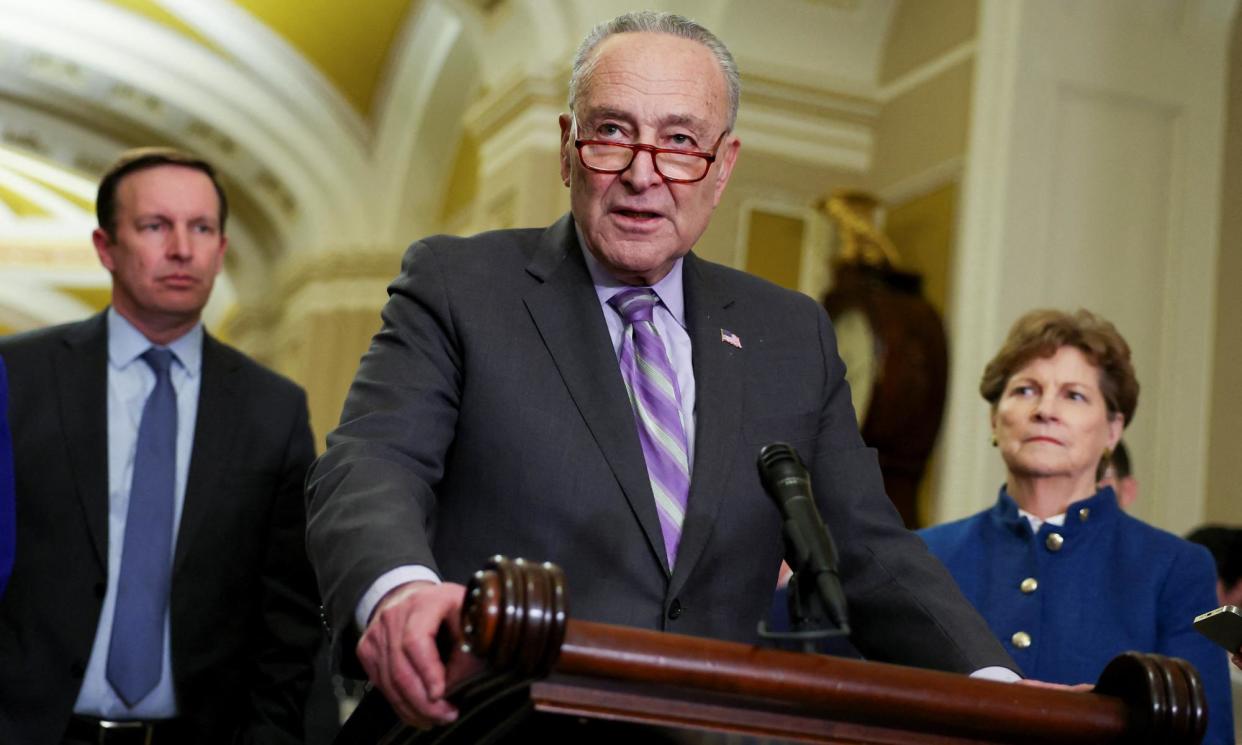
635, 147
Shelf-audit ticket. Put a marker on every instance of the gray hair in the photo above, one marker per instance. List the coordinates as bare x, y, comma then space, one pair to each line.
660, 23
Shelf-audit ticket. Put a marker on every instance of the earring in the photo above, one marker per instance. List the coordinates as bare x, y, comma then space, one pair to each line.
994, 442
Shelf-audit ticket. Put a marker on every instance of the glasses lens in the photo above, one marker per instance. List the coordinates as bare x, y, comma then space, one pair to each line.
683, 166
606, 157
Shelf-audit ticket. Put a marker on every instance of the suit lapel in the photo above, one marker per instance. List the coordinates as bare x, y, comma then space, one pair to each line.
81, 367
566, 311
219, 396
718, 397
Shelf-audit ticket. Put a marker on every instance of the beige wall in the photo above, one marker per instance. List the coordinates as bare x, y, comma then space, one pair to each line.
924, 125
922, 229
923, 129
921, 141
1224, 480
774, 247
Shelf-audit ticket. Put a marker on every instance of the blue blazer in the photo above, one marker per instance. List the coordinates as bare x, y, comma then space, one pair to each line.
1111, 584
8, 521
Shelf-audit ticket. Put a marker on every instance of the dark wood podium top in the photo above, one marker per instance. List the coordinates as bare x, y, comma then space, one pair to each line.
536, 657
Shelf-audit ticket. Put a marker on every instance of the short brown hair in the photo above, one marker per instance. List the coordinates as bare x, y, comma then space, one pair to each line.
140, 159
1040, 333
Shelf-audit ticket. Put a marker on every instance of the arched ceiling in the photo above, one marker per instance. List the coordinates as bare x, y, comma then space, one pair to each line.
330, 121
349, 43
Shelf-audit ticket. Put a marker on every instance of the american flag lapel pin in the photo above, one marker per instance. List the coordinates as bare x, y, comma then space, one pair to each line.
728, 337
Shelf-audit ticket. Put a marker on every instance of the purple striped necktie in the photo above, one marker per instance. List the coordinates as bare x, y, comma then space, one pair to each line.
652, 386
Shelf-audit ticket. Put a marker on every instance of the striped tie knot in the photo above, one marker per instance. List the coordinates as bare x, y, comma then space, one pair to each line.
635, 304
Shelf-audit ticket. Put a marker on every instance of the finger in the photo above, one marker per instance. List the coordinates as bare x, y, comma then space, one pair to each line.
415, 673
411, 702
420, 653
375, 664
422, 647
370, 655
378, 652
404, 689
408, 681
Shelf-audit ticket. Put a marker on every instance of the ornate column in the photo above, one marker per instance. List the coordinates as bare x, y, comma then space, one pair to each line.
319, 321
515, 126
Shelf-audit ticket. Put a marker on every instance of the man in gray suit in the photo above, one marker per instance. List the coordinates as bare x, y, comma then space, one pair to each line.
595, 395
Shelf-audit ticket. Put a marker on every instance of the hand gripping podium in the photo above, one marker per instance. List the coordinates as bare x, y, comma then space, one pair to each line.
534, 657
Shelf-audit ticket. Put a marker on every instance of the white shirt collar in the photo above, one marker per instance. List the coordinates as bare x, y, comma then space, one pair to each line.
1036, 523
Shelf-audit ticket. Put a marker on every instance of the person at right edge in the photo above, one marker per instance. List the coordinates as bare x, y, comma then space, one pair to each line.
1225, 543
1065, 578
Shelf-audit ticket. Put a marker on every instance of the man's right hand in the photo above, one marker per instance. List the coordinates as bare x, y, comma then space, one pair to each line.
398, 650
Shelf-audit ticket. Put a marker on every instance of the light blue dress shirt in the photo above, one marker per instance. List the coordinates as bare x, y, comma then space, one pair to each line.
130, 382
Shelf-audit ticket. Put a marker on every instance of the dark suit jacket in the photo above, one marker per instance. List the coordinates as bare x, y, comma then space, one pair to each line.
489, 416
244, 623
7, 517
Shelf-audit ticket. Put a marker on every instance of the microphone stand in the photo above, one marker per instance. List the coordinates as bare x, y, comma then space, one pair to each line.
816, 605
809, 619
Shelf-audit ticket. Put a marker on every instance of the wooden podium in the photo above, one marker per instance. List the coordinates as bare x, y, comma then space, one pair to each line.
534, 657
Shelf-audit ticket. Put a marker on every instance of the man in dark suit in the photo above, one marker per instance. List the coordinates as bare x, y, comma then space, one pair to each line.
595, 395
161, 592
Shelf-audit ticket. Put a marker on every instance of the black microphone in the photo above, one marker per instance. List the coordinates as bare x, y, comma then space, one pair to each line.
808, 544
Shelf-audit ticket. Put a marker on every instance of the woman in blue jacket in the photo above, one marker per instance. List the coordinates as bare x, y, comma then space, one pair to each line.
1064, 577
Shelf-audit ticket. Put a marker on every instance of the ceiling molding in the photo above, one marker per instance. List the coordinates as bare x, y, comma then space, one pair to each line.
813, 126
925, 182
289, 76
963, 53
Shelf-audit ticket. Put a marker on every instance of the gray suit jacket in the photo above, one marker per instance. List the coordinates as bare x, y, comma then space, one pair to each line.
489, 416
244, 626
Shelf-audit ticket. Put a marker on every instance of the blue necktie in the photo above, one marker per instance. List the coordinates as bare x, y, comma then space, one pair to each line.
136, 649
